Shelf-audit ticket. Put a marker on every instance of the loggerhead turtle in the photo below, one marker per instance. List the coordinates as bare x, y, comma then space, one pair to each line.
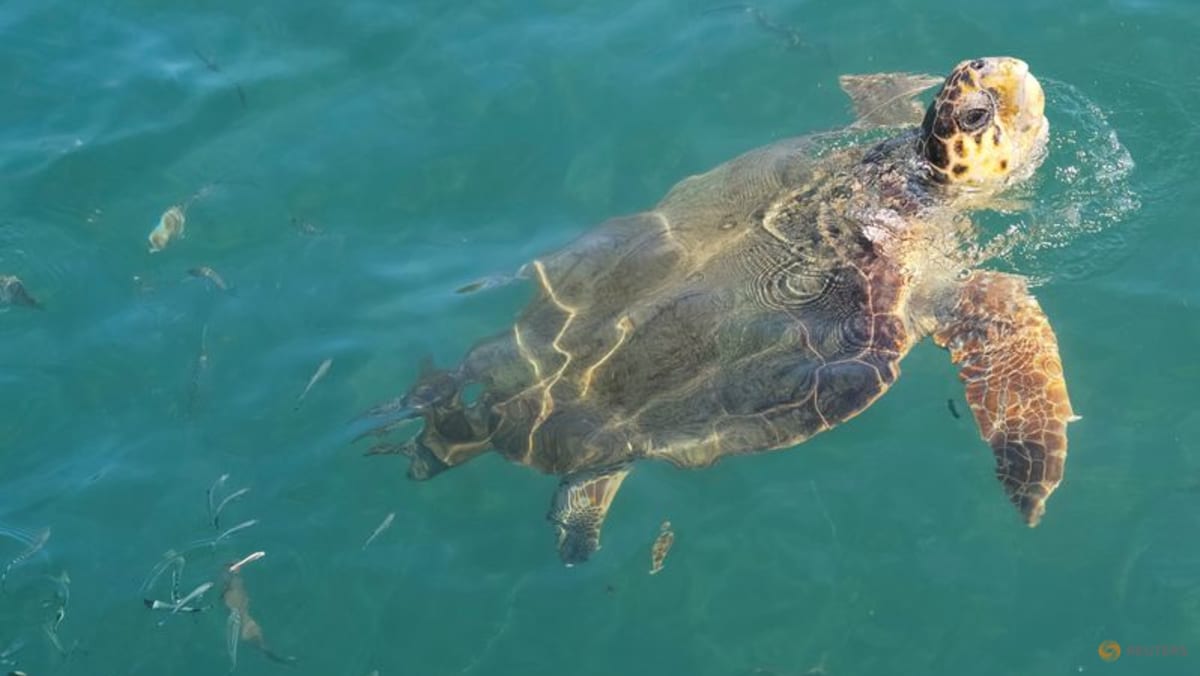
766, 301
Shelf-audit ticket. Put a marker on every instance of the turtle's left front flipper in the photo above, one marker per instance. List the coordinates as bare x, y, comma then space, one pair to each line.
1008, 358
887, 99
579, 508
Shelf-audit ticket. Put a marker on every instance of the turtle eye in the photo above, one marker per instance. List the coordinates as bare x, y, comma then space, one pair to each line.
973, 119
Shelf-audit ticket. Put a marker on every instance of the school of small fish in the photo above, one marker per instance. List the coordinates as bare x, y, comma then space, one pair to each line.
228, 582
35, 544
161, 590
240, 626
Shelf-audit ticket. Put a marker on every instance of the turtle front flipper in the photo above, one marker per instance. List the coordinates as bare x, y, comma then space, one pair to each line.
1008, 358
579, 508
887, 99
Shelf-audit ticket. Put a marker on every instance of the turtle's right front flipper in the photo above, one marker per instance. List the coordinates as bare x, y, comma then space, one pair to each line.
1008, 358
579, 508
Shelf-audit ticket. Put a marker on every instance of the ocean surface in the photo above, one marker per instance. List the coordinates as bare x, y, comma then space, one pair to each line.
345, 167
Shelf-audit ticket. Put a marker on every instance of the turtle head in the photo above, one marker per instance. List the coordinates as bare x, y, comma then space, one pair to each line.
987, 126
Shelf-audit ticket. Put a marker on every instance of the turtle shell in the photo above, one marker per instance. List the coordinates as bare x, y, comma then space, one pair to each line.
746, 312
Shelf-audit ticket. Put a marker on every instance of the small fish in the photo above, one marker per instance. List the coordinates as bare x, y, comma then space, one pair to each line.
387, 522
305, 227
238, 601
35, 546
789, 35
208, 63
485, 283
61, 593
662, 545
170, 226
12, 292
52, 636
202, 357
12, 649
233, 568
234, 529
192, 596
205, 272
63, 582
216, 68
160, 605
316, 377
176, 574
212, 491
953, 408
233, 635
228, 499
171, 559
197, 382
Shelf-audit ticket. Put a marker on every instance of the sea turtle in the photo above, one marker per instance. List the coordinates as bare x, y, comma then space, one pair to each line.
769, 300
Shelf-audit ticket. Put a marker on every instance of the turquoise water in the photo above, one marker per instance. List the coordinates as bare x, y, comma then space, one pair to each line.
346, 169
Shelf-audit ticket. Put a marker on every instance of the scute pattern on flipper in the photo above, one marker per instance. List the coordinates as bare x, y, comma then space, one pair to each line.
1008, 358
579, 508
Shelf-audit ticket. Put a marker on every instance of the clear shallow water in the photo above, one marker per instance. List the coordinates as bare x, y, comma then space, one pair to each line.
428, 146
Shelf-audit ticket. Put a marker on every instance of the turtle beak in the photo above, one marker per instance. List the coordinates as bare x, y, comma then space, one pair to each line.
1032, 127
1018, 93
1021, 107
1031, 100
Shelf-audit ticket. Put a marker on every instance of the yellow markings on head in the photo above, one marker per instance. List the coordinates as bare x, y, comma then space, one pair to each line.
987, 125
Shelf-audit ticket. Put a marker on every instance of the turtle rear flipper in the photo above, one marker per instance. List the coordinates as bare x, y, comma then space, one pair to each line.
579, 508
454, 430
1008, 358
